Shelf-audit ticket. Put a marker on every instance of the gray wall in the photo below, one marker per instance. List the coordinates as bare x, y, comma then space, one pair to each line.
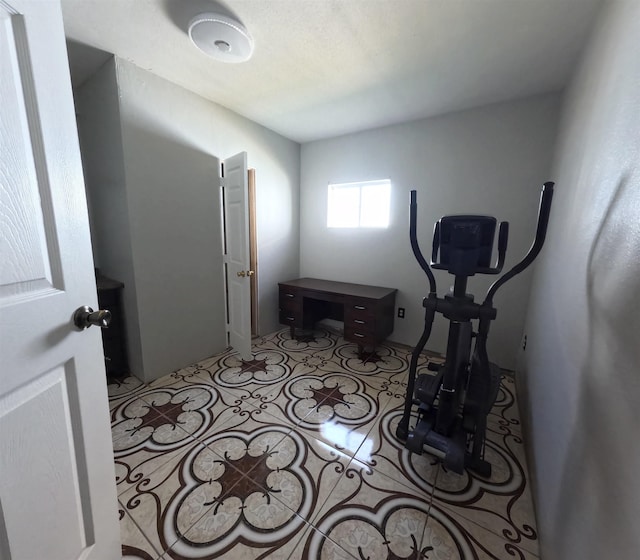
172, 189
489, 160
581, 368
98, 117
172, 141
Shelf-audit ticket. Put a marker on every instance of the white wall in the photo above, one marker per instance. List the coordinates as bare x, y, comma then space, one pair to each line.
171, 140
98, 117
491, 160
167, 171
172, 192
581, 367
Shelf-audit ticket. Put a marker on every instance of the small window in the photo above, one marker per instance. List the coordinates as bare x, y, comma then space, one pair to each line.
363, 205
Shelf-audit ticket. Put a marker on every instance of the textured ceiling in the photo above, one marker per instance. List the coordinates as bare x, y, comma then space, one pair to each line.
323, 68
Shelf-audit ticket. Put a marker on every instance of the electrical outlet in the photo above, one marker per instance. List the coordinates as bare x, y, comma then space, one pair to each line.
401, 312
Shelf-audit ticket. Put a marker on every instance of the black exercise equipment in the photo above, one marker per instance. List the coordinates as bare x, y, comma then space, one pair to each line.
454, 403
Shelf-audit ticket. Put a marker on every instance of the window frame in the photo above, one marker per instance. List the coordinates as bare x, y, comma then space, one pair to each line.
360, 185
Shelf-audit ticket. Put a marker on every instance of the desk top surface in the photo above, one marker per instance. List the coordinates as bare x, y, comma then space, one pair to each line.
344, 288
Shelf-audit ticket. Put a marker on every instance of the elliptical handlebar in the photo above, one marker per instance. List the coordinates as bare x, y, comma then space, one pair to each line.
435, 246
414, 243
541, 231
503, 238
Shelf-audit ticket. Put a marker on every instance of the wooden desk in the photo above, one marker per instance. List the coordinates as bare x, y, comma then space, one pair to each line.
367, 311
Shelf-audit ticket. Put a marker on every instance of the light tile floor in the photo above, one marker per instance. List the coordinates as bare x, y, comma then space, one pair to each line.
293, 455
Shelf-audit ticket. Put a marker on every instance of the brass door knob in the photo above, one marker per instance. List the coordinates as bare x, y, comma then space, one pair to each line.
241, 273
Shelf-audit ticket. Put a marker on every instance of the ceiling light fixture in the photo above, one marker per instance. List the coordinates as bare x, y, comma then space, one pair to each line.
221, 37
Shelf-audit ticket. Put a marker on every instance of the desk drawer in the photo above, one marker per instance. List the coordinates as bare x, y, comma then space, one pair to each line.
291, 306
289, 294
359, 336
361, 323
291, 319
362, 310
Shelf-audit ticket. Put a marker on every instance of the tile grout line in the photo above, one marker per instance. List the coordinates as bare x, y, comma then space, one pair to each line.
207, 377
142, 532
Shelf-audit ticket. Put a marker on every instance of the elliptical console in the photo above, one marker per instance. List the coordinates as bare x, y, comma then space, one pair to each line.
454, 403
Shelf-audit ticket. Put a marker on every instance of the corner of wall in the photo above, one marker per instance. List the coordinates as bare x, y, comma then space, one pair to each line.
102, 154
580, 370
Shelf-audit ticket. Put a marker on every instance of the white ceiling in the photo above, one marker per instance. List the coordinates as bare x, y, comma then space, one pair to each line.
322, 68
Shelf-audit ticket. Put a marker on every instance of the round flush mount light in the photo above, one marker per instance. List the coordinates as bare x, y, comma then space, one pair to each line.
221, 37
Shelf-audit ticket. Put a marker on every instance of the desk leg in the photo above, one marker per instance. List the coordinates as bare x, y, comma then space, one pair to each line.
371, 357
293, 332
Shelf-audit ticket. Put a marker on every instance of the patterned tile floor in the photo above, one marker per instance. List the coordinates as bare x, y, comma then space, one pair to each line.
293, 455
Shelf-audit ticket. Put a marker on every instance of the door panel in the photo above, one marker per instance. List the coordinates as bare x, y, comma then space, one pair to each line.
236, 221
49, 488
57, 483
22, 228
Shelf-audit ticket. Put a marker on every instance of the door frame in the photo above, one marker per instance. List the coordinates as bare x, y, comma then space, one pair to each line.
253, 250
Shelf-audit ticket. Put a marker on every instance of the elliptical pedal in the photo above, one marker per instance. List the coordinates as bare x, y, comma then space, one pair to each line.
417, 436
427, 387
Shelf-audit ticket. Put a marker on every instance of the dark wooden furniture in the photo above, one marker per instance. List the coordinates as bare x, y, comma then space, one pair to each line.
367, 311
113, 339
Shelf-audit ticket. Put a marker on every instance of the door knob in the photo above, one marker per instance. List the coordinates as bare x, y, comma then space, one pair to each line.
84, 317
241, 273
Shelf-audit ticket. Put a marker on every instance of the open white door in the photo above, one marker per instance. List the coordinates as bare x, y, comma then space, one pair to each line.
236, 239
57, 484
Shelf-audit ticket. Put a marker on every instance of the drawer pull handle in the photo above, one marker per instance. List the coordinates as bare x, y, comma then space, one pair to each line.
361, 307
358, 321
291, 318
289, 295
358, 335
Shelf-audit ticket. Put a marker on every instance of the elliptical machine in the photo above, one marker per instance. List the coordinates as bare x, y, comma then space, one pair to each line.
454, 403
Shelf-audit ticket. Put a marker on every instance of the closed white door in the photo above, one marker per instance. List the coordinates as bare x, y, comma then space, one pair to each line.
57, 485
236, 227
